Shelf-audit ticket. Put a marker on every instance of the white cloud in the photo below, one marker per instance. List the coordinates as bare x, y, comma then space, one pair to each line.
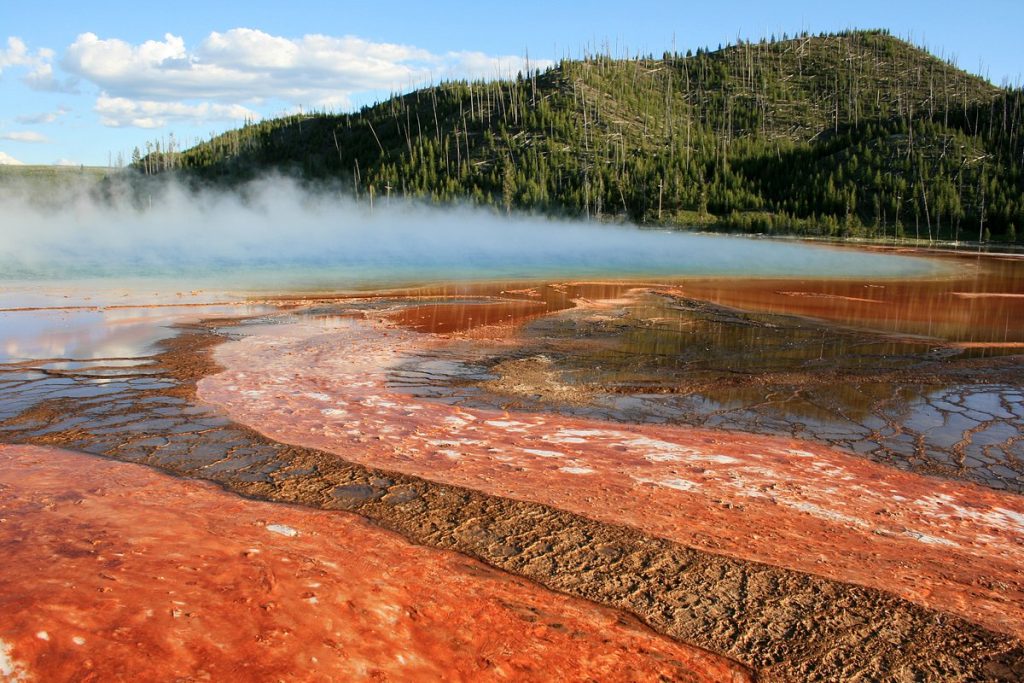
8, 160
117, 112
244, 65
248, 66
65, 162
24, 136
43, 117
16, 54
42, 78
477, 65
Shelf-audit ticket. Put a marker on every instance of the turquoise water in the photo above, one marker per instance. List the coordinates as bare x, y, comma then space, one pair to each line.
538, 251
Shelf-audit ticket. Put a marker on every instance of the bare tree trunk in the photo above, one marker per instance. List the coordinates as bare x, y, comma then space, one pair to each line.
437, 126
981, 213
356, 180
382, 152
924, 199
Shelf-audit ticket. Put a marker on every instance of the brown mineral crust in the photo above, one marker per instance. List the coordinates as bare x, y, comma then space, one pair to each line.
949, 546
984, 295
983, 301
989, 345
447, 318
534, 377
113, 571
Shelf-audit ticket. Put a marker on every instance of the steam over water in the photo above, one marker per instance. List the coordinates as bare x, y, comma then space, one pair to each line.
275, 235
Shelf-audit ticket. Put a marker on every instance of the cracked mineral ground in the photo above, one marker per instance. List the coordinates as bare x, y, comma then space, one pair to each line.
702, 479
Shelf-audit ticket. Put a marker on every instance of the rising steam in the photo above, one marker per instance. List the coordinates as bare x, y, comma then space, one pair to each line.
274, 232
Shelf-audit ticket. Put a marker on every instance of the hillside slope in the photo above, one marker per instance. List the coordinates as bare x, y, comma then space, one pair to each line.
853, 133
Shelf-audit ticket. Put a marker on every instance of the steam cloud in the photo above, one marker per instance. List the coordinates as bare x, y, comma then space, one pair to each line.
274, 232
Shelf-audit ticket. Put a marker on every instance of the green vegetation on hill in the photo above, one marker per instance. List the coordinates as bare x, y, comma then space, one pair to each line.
54, 186
856, 133
50, 174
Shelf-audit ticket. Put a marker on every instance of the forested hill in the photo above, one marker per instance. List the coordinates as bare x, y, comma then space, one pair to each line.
853, 133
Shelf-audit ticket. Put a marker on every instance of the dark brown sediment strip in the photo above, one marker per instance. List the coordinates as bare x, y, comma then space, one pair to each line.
786, 625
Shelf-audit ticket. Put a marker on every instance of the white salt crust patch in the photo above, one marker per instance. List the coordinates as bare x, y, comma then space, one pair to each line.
11, 670
582, 432
672, 483
576, 470
509, 425
543, 453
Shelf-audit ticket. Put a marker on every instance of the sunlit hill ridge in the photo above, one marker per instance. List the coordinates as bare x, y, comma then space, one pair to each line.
858, 133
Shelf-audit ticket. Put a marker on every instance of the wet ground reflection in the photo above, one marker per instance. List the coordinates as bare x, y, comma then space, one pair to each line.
763, 356
101, 352
920, 404
981, 304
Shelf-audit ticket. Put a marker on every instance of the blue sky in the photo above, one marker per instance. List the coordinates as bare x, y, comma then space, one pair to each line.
81, 82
